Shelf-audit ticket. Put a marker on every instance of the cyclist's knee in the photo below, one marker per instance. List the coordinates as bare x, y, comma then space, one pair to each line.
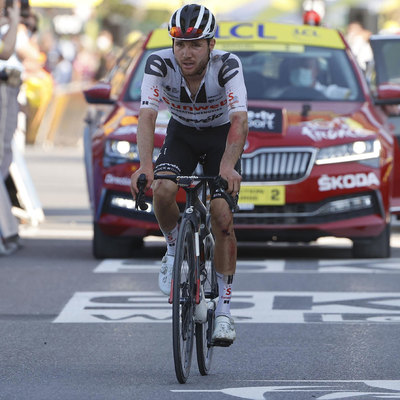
221, 217
164, 190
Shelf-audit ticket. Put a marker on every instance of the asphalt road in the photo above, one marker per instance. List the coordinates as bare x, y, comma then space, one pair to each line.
311, 322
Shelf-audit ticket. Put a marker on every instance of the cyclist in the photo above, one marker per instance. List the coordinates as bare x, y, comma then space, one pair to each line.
205, 92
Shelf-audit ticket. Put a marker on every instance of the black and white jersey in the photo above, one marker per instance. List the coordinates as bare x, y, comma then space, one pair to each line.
221, 92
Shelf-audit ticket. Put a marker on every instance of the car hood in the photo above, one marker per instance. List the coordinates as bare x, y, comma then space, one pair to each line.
309, 124
123, 122
283, 124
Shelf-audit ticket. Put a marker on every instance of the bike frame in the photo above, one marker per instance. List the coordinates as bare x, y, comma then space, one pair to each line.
196, 212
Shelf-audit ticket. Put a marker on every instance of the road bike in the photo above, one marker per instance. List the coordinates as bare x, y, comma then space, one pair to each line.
194, 275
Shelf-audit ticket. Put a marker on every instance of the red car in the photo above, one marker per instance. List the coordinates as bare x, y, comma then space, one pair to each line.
321, 156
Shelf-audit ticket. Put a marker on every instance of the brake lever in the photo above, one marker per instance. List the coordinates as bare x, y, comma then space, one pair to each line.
223, 184
140, 201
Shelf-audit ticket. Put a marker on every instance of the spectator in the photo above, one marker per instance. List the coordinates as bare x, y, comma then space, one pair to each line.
62, 72
358, 39
105, 46
7, 40
38, 83
9, 239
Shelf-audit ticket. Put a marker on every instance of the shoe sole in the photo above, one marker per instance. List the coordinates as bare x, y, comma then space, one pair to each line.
221, 342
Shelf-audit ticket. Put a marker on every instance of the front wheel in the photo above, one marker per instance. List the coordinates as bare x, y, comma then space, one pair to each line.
183, 300
204, 331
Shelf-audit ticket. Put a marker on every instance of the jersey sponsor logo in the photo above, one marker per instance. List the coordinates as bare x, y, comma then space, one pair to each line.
204, 120
185, 107
156, 92
348, 181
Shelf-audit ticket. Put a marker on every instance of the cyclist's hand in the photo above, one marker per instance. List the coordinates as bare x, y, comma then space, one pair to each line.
233, 178
134, 178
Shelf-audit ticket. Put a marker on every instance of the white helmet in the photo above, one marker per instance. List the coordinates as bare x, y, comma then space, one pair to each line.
192, 22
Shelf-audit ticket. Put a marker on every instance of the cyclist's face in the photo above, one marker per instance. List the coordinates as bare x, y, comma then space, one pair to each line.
192, 55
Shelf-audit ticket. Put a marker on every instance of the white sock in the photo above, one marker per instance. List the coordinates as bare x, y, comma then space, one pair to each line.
170, 238
225, 294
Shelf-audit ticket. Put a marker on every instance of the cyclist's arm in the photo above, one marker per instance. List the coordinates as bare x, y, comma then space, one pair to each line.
234, 147
145, 141
236, 94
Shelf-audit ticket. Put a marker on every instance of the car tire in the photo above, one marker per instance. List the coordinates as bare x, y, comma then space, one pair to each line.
106, 246
377, 247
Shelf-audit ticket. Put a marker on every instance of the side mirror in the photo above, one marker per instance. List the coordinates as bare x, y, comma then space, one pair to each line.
388, 93
100, 93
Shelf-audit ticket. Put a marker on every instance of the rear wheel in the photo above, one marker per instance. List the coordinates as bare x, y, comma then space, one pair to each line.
106, 246
378, 247
204, 331
183, 301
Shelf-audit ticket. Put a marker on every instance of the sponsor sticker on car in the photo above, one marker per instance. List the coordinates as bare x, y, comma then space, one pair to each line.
262, 195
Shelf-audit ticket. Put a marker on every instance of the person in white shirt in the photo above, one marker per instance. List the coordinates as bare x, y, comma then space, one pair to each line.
8, 223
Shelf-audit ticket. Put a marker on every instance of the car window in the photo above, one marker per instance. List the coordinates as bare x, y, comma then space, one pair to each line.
387, 59
133, 92
267, 75
117, 75
271, 75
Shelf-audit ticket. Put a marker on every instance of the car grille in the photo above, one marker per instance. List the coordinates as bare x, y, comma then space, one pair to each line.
278, 164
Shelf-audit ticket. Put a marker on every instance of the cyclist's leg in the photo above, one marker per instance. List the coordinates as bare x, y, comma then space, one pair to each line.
221, 215
225, 250
176, 158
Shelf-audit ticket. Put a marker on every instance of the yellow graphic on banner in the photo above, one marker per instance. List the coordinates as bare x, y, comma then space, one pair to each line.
262, 195
263, 32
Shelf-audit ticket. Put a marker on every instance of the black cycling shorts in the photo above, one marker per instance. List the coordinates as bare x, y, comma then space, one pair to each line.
184, 147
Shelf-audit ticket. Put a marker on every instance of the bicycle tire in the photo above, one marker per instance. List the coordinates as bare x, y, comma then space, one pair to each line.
183, 300
204, 331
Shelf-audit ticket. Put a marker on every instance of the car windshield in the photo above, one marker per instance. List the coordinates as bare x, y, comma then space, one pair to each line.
283, 73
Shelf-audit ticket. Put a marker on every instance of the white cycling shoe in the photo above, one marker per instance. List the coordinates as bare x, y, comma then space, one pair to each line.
165, 275
224, 332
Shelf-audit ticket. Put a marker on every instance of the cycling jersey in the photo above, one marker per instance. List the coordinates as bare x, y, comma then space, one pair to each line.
221, 92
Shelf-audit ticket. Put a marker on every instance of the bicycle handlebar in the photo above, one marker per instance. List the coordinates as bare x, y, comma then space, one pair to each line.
216, 181
140, 201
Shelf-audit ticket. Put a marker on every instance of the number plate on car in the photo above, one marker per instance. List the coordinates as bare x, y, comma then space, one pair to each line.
262, 195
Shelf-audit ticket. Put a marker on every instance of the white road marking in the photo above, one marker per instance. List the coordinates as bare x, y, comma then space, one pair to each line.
364, 266
40, 233
247, 307
323, 390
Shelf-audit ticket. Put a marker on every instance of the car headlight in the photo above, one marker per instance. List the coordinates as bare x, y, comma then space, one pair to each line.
119, 151
356, 151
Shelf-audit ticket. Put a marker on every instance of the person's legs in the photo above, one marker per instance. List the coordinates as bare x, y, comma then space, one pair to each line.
176, 158
8, 223
167, 213
225, 253
9, 124
225, 243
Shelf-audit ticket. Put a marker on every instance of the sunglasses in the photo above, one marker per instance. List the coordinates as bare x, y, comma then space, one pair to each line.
191, 33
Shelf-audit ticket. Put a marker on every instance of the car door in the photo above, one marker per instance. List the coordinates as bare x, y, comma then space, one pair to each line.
386, 51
